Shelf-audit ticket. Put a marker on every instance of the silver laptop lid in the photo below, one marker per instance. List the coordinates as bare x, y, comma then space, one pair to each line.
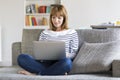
49, 50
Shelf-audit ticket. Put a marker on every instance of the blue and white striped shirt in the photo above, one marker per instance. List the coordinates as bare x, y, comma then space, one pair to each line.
69, 36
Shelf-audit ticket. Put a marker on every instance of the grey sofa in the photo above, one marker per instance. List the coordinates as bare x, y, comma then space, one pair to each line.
85, 35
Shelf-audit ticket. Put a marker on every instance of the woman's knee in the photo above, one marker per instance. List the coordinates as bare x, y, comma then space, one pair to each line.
22, 57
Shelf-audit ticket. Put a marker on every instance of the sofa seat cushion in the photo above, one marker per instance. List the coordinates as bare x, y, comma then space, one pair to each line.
96, 57
9, 69
10, 73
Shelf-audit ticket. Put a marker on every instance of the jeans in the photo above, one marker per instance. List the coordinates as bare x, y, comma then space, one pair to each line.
57, 67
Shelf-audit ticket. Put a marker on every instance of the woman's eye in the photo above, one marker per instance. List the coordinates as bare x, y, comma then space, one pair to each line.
59, 17
53, 17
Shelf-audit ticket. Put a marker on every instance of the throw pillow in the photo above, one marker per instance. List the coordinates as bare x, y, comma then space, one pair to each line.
96, 57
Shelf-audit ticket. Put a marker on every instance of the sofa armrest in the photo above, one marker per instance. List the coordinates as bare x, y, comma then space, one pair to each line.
116, 68
16, 50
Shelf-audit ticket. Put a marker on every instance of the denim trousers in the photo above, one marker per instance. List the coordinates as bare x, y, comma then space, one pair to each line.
44, 67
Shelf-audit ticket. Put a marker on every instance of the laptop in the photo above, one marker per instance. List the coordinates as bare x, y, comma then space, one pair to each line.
49, 50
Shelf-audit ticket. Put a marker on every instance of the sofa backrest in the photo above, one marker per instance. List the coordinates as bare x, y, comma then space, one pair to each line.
28, 36
99, 35
88, 35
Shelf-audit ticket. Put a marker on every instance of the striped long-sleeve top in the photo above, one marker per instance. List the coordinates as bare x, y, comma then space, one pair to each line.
69, 36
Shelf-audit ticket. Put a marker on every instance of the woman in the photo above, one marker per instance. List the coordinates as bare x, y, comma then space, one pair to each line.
58, 32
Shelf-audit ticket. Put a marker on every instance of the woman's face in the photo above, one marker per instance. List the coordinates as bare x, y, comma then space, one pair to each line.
57, 21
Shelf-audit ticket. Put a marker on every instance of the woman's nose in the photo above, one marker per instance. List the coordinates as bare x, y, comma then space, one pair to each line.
56, 19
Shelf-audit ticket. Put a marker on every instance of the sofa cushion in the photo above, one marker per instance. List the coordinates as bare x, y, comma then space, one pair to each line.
29, 35
96, 57
88, 35
11, 73
99, 35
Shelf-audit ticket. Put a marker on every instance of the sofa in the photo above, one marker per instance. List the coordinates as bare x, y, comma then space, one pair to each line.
91, 63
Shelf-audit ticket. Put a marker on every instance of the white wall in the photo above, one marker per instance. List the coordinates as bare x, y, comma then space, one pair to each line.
82, 13
0, 46
11, 21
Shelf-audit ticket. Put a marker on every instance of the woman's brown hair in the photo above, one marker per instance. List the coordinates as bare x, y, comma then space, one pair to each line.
61, 11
